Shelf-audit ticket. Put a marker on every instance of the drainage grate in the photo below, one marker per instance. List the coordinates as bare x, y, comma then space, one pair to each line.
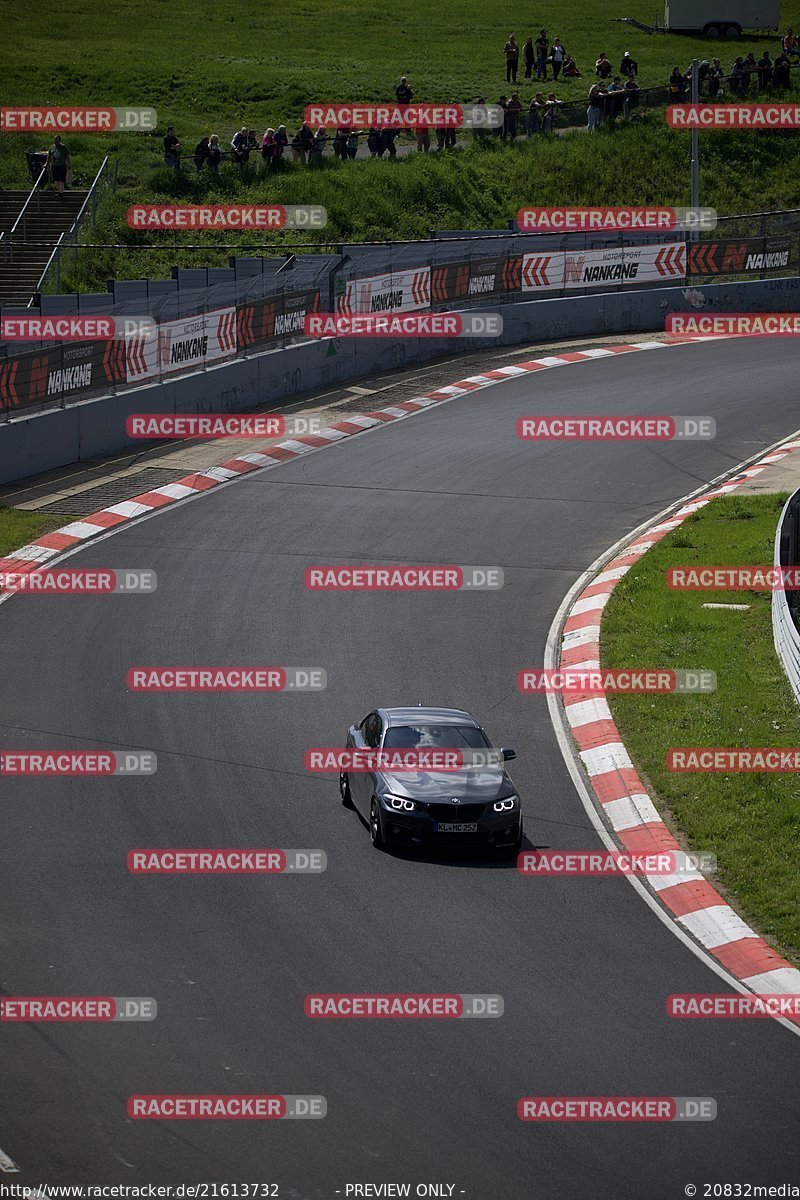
124, 487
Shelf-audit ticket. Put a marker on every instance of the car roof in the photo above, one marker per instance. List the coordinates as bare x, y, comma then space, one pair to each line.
420, 715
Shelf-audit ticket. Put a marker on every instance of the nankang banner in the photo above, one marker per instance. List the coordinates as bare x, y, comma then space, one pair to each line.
743, 256
401, 291
181, 345
613, 267
64, 372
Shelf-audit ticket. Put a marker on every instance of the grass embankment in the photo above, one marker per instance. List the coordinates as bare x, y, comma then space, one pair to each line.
214, 67
469, 189
18, 527
751, 821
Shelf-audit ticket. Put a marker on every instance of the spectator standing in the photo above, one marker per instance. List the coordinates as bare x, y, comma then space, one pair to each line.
528, 55
374, 142
387, 142
737, 76
780, 75
403, 92
513, 109
252, 142
750, 67
629, 66
614, 102
450, 133
239, 147
535, 114
423, 139
214, 154
631, 92
201, 154
677, 85
557, 56
301, 143
441, 134
352, 143
789, 44
58, 165
542, 45
570, 68
281, 141
764, 71
594, 110
317, 147
715, 78
340, 142
269, 148
511, 51
172, 149
550, 108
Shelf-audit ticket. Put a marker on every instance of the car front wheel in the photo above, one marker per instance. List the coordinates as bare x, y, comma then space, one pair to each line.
344, 790
375, 831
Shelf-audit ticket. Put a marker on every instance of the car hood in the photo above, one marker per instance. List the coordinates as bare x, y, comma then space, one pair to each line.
472, 785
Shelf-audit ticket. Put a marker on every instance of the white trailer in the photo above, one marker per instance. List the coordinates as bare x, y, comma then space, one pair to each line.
721, 18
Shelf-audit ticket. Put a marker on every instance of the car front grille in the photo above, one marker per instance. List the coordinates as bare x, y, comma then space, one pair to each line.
455, 812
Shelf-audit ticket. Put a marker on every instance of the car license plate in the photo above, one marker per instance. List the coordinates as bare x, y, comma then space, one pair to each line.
457, 827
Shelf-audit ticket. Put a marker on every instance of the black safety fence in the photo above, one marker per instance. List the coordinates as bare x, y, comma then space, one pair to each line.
205, 317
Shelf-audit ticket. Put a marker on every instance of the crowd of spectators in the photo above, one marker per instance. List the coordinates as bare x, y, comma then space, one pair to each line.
611, 96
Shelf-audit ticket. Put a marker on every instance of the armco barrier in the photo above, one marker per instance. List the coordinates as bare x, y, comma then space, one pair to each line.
784, 628
97, 426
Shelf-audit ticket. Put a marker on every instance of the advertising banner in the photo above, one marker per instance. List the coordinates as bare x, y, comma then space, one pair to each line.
612, 267
63, 372
181, 345
401, 291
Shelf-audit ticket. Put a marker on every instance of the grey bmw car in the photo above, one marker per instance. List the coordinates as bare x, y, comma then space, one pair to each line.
473, 805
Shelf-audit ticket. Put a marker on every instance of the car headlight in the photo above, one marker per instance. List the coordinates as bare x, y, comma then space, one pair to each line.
399, 802
507, 804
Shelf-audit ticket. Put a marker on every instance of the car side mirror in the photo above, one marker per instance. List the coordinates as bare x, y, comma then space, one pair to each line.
508, 754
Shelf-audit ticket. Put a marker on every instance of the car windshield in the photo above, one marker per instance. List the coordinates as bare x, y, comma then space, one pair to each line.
445, 736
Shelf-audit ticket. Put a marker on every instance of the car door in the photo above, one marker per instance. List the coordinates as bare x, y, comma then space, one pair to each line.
359, 739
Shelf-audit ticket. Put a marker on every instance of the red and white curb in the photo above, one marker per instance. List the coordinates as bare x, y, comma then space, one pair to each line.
51, 545
614, 786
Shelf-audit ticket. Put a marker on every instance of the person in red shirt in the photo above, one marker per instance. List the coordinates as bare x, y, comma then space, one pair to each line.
789, 44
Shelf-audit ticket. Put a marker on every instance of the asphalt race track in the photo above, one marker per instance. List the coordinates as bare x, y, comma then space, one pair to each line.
584, 965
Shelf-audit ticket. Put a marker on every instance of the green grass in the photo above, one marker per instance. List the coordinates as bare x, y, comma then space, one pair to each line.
751, 822
18, 527
470, 189
213, 67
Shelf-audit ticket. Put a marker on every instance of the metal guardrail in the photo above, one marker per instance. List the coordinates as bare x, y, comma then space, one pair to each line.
784, 603
70, 237
21, 224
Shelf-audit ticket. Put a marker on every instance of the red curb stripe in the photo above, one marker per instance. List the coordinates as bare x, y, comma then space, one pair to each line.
595, 734
690, 897
18, 566
56, 540
750, 956
198, 483
579, 654
583, 620
240, 465
313, 439
620, 784
153, 499
646, 839
104, 519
